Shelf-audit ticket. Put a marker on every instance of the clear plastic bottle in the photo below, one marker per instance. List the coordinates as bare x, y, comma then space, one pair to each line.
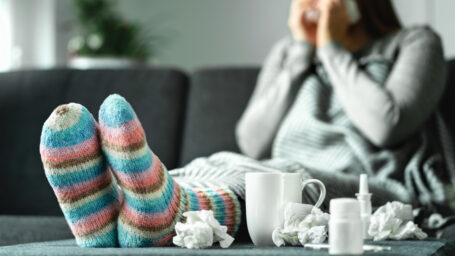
345, 227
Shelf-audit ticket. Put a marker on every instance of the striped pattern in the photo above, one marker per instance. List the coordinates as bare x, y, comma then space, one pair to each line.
228, 169
77, 171
154, 202
223, 202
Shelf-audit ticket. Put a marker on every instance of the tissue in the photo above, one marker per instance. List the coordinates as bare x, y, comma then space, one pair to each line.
302, 224
201, 230
394, 221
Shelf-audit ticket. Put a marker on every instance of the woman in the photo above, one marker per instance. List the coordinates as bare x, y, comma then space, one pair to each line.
334, 101
350, 99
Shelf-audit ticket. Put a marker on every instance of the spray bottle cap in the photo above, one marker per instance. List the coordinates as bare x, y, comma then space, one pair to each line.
344, 208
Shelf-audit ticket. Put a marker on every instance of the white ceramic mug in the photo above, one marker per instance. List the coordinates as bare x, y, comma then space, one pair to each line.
266, 195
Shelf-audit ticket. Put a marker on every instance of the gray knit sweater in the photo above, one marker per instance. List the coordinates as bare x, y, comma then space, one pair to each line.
372, 111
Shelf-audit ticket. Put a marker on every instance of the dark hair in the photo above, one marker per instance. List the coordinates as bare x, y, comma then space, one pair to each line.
378, 17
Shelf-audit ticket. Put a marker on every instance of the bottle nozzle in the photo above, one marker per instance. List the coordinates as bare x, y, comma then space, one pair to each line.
363, 185
364, 198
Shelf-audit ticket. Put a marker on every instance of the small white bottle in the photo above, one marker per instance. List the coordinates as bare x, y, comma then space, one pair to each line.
345, 227
364, 197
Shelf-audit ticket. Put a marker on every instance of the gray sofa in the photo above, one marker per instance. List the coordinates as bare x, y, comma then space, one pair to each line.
184, 115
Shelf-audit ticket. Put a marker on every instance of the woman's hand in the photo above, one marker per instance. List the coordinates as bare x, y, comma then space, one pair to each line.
302, 29
333, 22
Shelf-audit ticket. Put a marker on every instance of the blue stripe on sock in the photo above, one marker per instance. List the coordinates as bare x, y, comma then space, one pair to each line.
214, 196
80, 132
116, 111
184, 200
194, 201
219, 210
132, 165
127, 239
106, 240
91, 207
153, 205
72, 178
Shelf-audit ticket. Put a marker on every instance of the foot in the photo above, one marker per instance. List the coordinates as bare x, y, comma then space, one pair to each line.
77, 171
154, 202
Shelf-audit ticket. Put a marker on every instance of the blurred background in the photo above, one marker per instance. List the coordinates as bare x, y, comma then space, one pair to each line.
186, 34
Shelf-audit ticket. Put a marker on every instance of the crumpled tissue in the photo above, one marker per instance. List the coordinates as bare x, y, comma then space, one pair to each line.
201, 230
394, 220
302, 224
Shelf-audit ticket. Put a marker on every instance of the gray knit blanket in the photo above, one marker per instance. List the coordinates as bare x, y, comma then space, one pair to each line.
317, 139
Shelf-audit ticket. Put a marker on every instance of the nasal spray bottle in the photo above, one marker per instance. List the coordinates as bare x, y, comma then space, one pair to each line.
349, 221
364, 198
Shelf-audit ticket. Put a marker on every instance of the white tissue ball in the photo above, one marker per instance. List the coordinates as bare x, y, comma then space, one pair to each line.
196, 236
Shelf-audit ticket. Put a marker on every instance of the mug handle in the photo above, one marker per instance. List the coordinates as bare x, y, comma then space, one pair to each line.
322, 190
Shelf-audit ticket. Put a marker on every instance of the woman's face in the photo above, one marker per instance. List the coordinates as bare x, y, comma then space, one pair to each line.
312, 14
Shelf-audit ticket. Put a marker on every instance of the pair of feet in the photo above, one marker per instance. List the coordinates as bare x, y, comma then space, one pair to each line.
110, 186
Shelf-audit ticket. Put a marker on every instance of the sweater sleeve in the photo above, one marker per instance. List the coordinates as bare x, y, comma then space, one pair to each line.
390, 113
278, 79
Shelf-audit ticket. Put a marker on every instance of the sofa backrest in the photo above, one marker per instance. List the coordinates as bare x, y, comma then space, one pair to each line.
28, 97
448, 99
216, 100
183, 119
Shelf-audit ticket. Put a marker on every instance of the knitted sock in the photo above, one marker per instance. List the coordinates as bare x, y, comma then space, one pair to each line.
154, 202
77, 171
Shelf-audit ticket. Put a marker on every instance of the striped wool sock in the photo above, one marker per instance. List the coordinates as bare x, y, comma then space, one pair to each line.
154, 202
77, 171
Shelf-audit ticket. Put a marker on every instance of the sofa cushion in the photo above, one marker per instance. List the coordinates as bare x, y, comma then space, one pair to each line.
68, 247
216, 101
28, 97
27, 229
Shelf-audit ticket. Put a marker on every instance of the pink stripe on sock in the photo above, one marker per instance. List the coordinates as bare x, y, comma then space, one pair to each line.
116, 131
65, 153
96, 219
152, 219
79, 188
126, 139
204, 201
226, 201
56, 159
142, 179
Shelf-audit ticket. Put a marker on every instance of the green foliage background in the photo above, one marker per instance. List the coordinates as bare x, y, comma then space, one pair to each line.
119, 38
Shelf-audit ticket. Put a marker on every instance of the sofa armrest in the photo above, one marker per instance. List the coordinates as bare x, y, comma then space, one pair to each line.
28, 229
